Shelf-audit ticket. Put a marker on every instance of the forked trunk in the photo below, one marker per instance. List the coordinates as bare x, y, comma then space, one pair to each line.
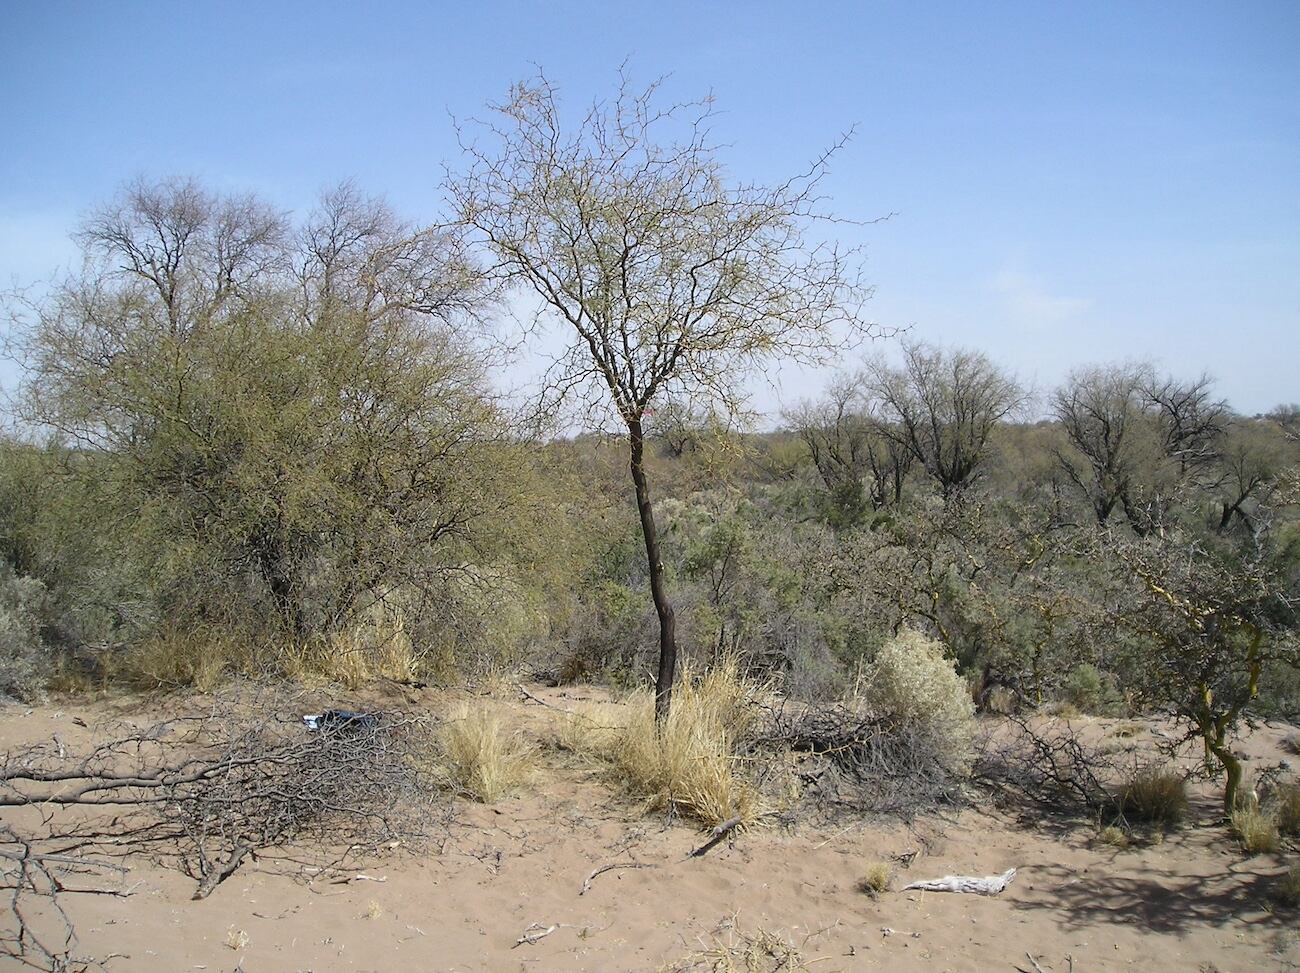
664, 608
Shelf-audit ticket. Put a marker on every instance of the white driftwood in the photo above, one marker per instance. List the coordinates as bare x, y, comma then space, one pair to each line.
991, 885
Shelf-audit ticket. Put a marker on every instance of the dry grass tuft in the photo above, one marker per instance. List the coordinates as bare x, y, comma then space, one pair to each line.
1155, 794
1114, 836
484, 760
876, 879
1255, 829
690, 763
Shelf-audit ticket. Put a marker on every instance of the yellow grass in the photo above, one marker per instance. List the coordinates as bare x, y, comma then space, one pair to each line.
876, 879
1255, 829
484, 760
690, 762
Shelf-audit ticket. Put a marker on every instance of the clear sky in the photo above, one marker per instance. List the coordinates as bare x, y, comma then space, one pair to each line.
1073, 183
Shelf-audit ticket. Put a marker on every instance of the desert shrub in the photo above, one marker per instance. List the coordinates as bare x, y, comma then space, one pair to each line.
1289, 886
485, 760
913, 682
24, 657
1154, 794
1091, 690
198, 658
690, 763
876, 879
1255, 828
1283, 802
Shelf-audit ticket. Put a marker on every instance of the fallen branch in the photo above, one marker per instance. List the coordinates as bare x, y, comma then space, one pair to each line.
1033, 961
990, 885
720, 832
586, 886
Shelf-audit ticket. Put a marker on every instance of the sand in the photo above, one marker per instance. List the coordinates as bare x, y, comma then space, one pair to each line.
1193, 901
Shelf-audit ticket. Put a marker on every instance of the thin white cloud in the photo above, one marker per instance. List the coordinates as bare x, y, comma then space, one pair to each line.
1028, 302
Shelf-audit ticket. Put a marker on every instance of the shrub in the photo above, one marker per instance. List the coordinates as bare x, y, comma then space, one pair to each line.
1090, 690
1284, 802
1256, 829
1154, 794
1289, 886
912, 681
876, 879
484, 760
24, 657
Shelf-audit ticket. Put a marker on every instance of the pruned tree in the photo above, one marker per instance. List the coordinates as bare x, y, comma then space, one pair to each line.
671, 279
942, 406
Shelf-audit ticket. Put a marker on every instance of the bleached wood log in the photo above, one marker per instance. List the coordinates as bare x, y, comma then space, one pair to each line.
991, 885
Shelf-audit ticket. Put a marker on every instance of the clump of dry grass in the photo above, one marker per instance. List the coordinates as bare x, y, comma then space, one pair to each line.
876, 879
690, 763
200, 659
1114, 836
1155, 794
484, 760
1256, 829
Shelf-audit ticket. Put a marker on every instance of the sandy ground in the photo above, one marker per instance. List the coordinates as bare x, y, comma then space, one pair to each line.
1190, 902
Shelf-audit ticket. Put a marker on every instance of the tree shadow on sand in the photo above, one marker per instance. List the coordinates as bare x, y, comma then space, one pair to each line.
1159, 900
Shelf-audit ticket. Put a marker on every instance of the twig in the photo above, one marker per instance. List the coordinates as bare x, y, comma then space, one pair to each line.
535, 933
527, 695
720, 832
586, 886
1033, 961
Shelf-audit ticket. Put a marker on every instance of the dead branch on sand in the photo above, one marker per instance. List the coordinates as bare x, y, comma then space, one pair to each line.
586, 886
207, 792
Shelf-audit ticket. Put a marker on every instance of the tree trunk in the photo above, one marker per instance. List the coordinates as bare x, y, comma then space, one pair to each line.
664, 608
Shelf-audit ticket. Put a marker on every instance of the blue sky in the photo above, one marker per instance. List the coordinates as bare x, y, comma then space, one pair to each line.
1072, 184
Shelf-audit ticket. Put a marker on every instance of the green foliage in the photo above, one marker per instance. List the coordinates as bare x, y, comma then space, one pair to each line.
24, 658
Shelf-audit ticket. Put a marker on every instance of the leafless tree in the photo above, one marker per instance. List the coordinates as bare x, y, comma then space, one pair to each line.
1100, 410
671, 279
853, 451
942, 406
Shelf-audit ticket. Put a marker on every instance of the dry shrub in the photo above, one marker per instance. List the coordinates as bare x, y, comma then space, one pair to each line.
876, 879
1289, 886
913, 682
1154, 794
690, 763
1284, 803
1256, 829
484, 760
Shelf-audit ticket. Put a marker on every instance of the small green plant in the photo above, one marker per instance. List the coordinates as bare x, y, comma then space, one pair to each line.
876, 879
1156, 795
